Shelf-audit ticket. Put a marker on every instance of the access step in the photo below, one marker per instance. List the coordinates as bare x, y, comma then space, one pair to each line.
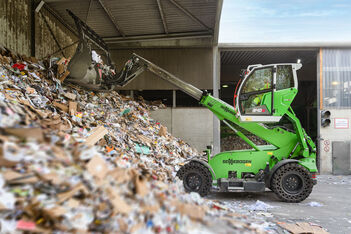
226, 185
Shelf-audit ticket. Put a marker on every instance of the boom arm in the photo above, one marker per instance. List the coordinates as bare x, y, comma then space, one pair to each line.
165, 75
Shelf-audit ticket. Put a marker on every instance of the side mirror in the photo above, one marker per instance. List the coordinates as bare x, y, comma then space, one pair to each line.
210, 147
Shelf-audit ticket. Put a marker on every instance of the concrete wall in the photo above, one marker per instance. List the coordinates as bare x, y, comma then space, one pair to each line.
44, 42
15, 25
191, 65
15, 30
193, 125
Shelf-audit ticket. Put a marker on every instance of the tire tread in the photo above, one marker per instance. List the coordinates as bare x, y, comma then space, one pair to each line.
283, 195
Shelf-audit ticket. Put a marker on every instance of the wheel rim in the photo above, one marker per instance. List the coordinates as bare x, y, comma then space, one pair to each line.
292, 183
193, 181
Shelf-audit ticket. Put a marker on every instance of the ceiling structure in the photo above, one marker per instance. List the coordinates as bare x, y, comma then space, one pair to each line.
267, 56
132, 22
267, 53
235, 57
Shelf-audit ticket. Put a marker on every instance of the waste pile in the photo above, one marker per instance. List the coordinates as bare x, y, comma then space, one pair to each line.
72, 160
233, 142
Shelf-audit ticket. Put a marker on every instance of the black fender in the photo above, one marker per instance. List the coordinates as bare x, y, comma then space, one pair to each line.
276, 166
203, 163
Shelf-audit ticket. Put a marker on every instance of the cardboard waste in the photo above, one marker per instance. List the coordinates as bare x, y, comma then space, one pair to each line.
73, 160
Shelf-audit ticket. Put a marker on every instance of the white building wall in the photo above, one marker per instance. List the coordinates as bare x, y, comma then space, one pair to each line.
334, 132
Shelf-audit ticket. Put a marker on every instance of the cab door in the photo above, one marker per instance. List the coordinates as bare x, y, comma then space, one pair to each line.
256, 94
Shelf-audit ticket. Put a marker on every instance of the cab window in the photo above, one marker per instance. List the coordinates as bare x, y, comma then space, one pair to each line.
256, 95
260, 79
285, 78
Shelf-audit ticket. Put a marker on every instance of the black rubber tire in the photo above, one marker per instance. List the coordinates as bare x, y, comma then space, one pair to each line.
292, 183
199, 171
180, 173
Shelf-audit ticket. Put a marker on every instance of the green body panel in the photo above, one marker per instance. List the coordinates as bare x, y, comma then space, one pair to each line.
282, 100
309, 163
284, 144
267, 101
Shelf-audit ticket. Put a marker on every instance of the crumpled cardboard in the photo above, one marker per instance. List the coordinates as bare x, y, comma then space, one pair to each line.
26, 133
120, 206
140, 184
301, 227
96, 135
162, 131
72, 107
55, 212
60, 106
13, 177
97, 167
64, 196
71, 96
193, 211
120, 175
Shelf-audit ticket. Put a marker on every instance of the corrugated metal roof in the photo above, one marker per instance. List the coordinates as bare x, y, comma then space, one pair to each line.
140, 17
266, 56
177, 21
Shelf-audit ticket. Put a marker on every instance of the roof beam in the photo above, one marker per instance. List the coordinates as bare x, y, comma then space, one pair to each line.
52, 33
188, 13
60, 19
86, 17
187, 35
217, 22
112, 19
283, 45
160, 9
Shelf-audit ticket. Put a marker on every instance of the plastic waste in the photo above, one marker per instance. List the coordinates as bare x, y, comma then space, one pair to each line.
314, 204
260, 206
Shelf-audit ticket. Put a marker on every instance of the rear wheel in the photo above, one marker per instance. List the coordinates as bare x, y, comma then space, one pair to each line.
196, 178
292, 183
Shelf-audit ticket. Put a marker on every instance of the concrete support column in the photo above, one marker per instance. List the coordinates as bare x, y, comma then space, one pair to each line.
216, 84
319, 101
32, 28
174, 99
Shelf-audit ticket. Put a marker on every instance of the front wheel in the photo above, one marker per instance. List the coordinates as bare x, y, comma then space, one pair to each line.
196, 178
292, 183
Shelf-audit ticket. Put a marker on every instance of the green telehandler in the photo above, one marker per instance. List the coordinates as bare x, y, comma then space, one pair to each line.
286, 164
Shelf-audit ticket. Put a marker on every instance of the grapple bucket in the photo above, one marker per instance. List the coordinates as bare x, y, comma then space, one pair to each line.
95, 75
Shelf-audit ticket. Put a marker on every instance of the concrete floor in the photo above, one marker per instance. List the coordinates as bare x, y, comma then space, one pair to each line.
332, 192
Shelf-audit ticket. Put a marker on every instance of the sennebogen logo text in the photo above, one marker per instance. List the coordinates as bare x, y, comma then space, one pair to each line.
231, 161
